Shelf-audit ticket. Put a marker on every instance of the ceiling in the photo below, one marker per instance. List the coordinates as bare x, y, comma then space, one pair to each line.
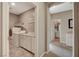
20, 7
60, 8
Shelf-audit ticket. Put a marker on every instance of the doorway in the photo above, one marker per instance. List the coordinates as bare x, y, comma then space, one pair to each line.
59, 30
21, 29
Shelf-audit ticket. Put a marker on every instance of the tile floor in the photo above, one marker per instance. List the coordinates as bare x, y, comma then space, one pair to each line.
50, 54
18, 52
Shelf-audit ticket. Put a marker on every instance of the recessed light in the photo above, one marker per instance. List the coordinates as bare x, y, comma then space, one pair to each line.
12, 4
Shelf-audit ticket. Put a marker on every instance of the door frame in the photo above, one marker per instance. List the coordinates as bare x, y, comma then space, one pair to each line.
38, 33
5, 29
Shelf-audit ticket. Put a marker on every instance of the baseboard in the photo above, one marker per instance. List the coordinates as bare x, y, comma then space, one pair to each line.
27, 50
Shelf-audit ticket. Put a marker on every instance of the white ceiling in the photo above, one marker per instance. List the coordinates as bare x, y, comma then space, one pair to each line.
20, 7
61, 8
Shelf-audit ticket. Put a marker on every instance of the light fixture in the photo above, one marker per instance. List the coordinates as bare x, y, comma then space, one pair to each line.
13, 4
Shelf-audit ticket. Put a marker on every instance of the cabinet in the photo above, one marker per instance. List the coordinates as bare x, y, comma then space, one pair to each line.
15, 40
27, 42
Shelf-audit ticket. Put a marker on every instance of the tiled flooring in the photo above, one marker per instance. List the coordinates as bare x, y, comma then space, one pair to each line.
50, 54
62, 45
17, 52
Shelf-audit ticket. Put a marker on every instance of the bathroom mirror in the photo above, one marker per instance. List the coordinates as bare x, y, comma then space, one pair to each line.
61, 28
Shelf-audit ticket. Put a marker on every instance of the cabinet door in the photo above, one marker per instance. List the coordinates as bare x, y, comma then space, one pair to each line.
26, 42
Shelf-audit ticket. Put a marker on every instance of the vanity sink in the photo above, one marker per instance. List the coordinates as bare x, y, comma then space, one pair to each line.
27, 41
23, 39
22, 31
18, 30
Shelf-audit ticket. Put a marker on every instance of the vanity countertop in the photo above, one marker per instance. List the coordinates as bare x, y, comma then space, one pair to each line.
32, 34
29, 34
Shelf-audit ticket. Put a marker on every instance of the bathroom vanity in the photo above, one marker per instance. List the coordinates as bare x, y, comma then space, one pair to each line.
25, 40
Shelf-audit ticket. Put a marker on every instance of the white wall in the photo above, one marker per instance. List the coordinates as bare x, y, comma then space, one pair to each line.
40, 28
26, 19
13, 20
